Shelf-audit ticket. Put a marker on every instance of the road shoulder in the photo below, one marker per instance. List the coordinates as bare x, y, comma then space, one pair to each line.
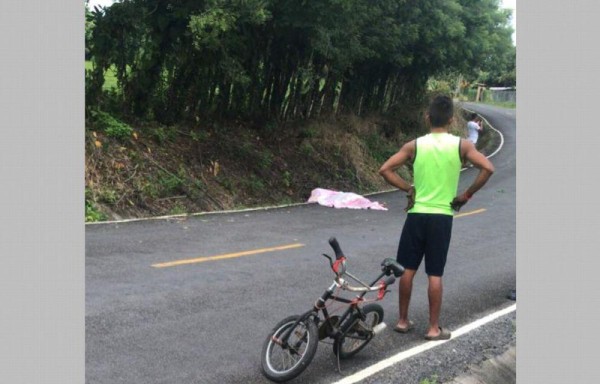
468, 357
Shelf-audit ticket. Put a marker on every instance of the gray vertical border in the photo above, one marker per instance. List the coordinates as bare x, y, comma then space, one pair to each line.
42, 296
558, 220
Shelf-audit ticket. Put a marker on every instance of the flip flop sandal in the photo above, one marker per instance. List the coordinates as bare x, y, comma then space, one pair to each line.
444, 335
404, 330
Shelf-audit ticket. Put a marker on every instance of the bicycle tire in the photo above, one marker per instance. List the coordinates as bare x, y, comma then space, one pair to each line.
305, 339
356, 333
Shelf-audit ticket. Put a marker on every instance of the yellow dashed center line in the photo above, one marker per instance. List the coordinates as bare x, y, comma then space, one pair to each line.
226, 256
257, 251
470, 213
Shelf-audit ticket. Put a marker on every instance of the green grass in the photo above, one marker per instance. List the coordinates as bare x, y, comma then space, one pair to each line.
486, 98
432, 380
92, 213
502, 104
177, 210
110, 78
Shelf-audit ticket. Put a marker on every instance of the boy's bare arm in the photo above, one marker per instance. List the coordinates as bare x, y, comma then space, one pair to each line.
486, 169
388, 169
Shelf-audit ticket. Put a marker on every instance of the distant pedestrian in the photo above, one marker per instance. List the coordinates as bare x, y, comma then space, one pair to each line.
474, 127
437, 159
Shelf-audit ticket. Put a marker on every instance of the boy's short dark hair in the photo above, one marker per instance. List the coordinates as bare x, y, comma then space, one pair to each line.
441, 111
473, 116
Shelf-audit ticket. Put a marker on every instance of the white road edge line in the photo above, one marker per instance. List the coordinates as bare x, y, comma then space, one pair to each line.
271, 207
383, 364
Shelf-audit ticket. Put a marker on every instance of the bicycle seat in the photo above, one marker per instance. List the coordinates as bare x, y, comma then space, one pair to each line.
392, 266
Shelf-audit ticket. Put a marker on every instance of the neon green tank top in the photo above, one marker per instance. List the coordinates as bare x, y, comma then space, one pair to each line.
436, 171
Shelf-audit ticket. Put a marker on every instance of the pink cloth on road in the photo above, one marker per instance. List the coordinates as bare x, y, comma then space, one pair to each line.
336, 199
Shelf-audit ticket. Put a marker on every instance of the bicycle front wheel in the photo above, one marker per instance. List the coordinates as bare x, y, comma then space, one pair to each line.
357, 333
284, 362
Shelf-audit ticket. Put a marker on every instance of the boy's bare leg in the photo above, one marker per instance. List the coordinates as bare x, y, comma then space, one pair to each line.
405, 290
434, 292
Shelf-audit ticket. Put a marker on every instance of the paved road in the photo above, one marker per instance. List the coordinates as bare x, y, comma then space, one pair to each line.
205, 322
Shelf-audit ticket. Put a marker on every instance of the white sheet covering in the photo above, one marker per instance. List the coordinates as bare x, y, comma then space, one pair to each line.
335, 199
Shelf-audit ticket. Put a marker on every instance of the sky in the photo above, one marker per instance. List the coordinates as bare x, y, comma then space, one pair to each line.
509, 4
103, 3
512, 5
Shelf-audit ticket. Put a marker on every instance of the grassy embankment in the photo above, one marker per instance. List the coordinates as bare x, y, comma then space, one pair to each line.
146, 169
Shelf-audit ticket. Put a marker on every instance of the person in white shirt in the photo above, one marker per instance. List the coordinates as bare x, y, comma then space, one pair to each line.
474, 127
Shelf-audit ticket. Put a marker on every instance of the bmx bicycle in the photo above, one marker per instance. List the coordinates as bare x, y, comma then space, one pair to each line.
292, 343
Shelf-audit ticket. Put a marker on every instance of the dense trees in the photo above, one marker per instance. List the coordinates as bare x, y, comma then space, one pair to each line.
286, 59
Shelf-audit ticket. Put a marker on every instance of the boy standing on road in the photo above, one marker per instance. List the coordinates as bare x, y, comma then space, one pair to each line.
437, 159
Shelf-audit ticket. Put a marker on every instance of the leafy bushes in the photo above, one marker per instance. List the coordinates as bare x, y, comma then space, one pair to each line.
91, 212
111, 126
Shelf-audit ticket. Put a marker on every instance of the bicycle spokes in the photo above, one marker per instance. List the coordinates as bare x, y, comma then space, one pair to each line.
287, 355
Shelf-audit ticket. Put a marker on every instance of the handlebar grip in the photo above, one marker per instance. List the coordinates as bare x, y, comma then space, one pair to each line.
336, 247
390, 280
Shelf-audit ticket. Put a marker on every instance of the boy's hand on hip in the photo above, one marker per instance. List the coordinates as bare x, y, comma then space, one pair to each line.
459, 201
410, 196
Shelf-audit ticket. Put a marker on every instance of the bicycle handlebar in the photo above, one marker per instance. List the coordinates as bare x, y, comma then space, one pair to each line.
346, 286
389, 265
336, 248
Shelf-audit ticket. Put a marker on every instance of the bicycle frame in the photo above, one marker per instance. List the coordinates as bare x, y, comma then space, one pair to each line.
292, 344
320, 306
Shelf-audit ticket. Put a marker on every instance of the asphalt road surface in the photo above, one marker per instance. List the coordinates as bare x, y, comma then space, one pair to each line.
205, 320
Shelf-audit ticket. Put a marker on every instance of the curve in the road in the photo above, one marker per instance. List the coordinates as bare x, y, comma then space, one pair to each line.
497, 131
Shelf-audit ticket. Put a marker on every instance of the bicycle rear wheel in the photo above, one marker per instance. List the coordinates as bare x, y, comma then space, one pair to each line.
357, 333
281, 363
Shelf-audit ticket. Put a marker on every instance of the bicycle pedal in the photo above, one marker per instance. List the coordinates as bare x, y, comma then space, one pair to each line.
379, 327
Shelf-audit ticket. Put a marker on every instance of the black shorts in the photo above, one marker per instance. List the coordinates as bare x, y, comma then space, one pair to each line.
425, 234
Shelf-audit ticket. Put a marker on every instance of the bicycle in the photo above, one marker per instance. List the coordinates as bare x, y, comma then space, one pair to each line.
292, 343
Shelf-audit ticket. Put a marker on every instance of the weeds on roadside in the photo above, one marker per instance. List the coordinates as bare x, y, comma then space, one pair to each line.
432, 380
110, 125
92, 213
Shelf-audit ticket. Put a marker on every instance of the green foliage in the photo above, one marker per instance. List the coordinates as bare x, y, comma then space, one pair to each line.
254, 184
150, 189
309, 132
265, 159
89, 28
380, 148
178, 209
210, 27
432, 380
288, 60
92, 213
199, 136
435, 85
108, 196
169, 184
226, 182
287, 179
110, 77
306, 148
502, 72
164, 134
110, 125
